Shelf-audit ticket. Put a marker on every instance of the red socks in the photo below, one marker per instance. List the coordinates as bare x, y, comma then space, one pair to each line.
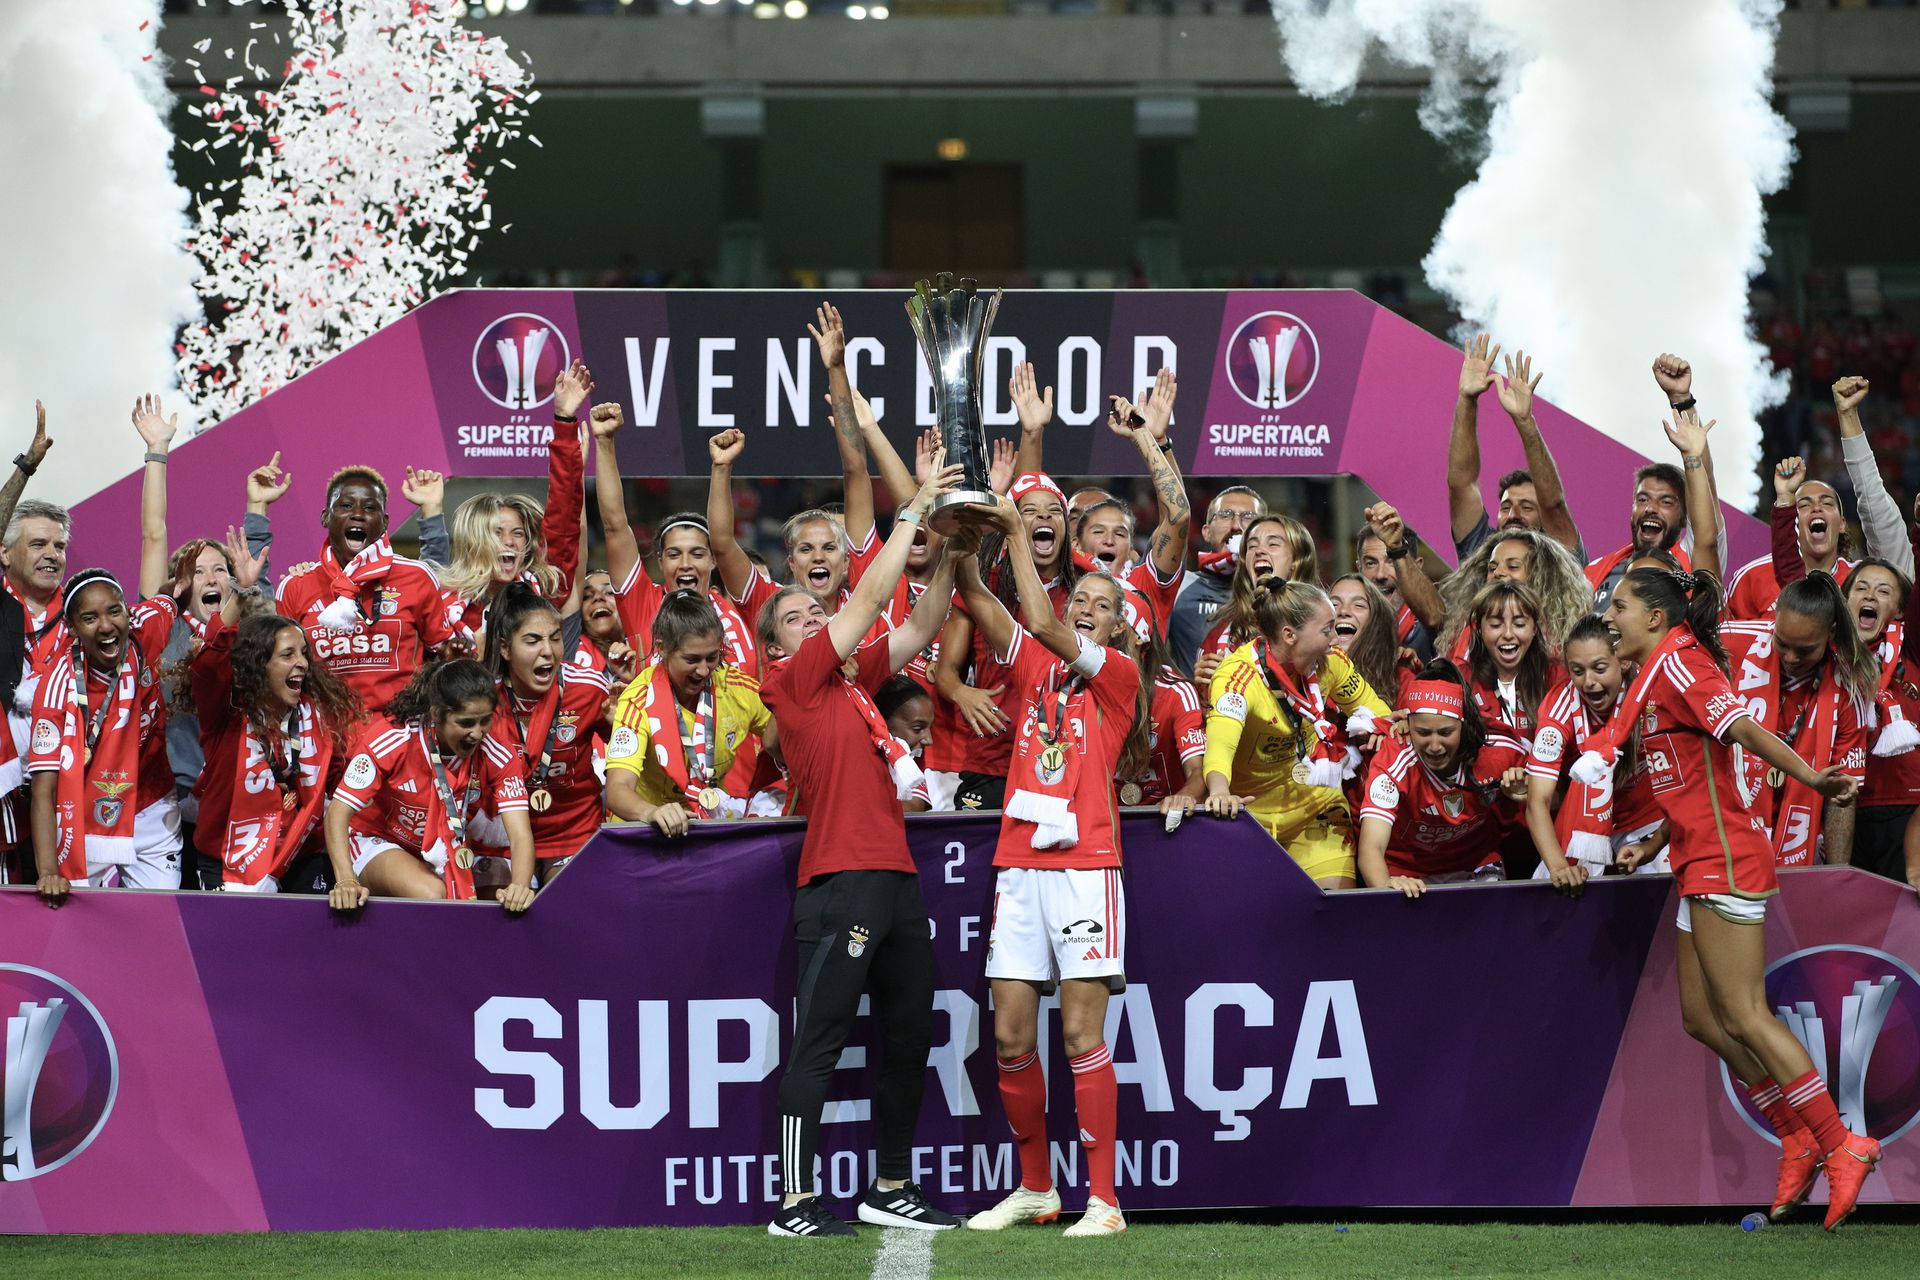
1096, 1096
1023, 1092
1808, 1096
1766, 1095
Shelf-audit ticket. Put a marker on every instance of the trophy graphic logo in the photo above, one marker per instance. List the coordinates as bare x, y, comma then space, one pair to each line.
59, 1076
1272, 360
952, 319
516, 359
1856, 1011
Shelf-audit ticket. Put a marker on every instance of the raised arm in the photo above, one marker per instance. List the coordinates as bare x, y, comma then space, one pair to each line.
29, 463
426, 489
566, 475
157, 432
1880, 517
266, 485
886, 459
1036, 606
849, 626
1689, 436
1783, 521
1035, 408
988, 613
247, 568
736, 571
1465, 506
1675, 378
929, 614
1168, 547
1516, 397
623, 549
1417, 590
830, 336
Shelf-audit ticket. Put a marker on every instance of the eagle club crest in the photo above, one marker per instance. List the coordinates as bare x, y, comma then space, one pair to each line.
566, 727
107, 808
856, 941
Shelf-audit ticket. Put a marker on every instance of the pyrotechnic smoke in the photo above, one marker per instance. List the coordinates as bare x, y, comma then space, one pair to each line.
1616, 213
364, 182
92, 229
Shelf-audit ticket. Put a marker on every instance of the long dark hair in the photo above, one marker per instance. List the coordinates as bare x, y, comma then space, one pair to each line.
253, 646
1473, 729
1692, 598
440, 687
1375, 651
508, 612
1817, 596
1530, 681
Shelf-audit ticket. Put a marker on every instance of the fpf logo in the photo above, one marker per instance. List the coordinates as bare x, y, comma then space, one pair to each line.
1856, 1010
1272, 360
516, 359
59, 1077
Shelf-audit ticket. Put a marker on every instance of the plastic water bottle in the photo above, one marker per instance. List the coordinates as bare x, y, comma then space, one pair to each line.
1753, 1222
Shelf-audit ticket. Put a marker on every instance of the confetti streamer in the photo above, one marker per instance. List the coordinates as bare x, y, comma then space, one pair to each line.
359, 179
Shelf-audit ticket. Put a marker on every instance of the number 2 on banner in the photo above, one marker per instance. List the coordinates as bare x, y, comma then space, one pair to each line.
956, 856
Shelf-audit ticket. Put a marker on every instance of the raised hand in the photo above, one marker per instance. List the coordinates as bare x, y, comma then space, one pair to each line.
247, 567
1384, 519
862, 412
424, 489
1000, 469
1517, 388
37, 451
1788, 476
925, 445
1674, 375
605, 420
1122, 418
155, 430
1688, 435
830, 335
1034, 406
1476, 369
1156, 406
943, 480
267, 484
725, 449
1849, 392
571, 389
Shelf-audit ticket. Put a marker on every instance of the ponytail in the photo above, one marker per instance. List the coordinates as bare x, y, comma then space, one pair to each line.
1817, 596
1280, 602
440, 687
1692, 599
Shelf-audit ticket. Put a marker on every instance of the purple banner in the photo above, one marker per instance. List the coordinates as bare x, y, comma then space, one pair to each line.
1273, 382
236, 1063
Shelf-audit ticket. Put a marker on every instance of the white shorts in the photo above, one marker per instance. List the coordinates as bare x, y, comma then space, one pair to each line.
941, 786
156, 852
1054, 923
1659, 864
1726, 906
366, 848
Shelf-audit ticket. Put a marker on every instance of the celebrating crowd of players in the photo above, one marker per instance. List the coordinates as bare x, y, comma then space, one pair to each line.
459, 725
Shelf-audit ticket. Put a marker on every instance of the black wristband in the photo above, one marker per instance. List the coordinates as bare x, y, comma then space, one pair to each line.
1402, 551
1166, 446
566, 417
20, 461
1681, 406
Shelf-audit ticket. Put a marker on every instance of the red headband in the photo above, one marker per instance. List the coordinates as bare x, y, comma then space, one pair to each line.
1436, 698
1027, 483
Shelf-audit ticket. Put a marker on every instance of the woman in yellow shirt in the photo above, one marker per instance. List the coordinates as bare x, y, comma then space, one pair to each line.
667, 769
1281, 712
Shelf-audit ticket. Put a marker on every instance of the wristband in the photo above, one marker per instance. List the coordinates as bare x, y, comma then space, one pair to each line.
910, 516
566, 417
1400, 552
1681, 406
20, 461
154, 457
1166, 446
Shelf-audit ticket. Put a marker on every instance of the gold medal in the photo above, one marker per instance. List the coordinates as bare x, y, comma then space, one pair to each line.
540, 800
1775, 777
711, 798
1302, 772
463, 858
1130, 793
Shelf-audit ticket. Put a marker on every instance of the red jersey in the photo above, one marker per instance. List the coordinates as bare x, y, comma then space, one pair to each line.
859, 560
1098, 714
1503, 708
839, 777
762, 588
638, 602
992, 755
1717, 844
1178, 737
1441, 825
1895, 779
570, 714
410, 613
152, 623
1565, 724
1754, 591
390, 779
1147, 602
46, 632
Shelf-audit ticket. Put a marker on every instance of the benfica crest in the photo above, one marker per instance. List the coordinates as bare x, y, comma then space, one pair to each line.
107, 808
566, 727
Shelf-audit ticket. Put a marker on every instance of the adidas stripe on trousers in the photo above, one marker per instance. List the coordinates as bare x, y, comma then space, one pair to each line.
858, 933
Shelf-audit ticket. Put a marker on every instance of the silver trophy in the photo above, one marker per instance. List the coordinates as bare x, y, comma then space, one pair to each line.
952, 319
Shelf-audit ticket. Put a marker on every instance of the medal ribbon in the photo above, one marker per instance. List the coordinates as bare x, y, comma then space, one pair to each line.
286, 771
696, 748
540, 722
458, 877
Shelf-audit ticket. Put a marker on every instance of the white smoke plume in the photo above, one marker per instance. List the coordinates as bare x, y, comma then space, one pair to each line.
1616, 212
93, 229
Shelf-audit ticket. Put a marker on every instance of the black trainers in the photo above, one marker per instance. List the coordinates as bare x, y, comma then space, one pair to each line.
904, 1206
809, 1218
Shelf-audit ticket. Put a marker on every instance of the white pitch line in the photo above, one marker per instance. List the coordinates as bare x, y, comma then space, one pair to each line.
905, 1254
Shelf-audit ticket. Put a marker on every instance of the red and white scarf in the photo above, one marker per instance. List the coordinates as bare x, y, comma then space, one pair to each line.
1897, 733
1584, 821
663, 728
437, 838
1595, 766
95, 800
1045, 776
1331, 760
263, 833
1223, 562
47, 637
366, 569
1796, 827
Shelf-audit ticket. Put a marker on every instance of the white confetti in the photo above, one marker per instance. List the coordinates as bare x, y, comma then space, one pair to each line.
362, 175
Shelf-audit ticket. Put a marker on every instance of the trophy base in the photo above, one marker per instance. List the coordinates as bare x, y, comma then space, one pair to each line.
961, 507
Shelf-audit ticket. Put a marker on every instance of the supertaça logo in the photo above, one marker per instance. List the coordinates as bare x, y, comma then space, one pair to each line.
1272, 360
1856, 1010
60, 1073
516, 359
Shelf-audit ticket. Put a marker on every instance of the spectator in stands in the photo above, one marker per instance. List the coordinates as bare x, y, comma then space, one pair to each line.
1529, 499
1205, 590
1430, 812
